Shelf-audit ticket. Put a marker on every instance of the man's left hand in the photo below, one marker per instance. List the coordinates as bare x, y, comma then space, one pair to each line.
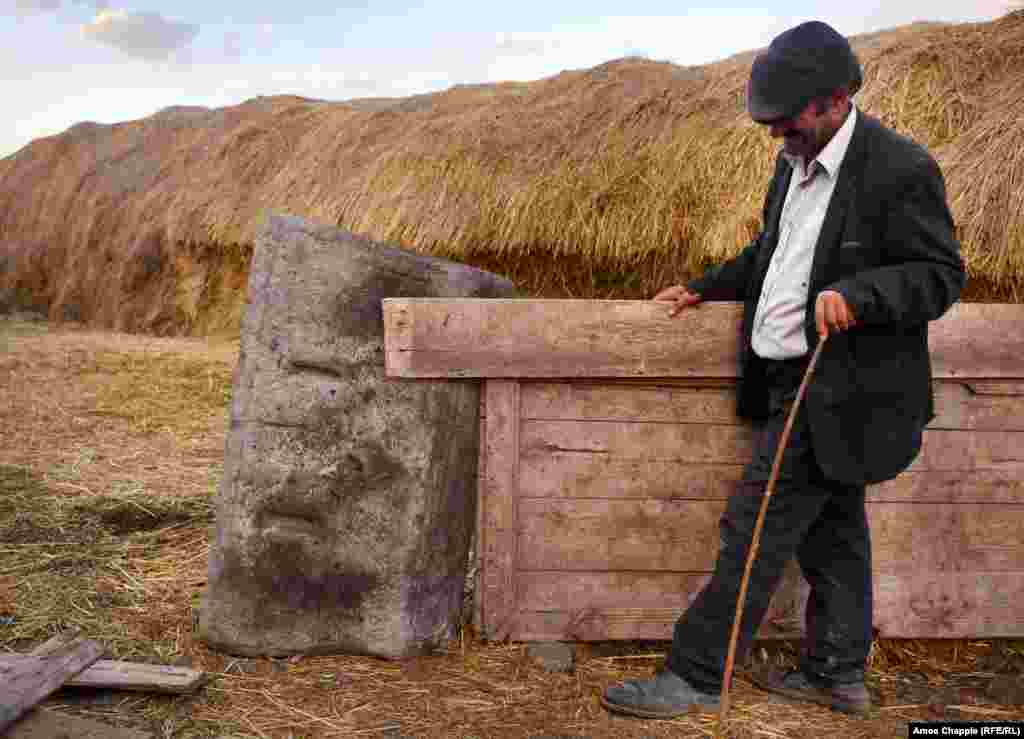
832, 314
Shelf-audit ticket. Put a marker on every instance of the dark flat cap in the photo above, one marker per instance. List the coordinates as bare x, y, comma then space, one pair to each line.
803, 63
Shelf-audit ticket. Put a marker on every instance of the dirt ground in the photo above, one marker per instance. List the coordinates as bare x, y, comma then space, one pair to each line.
111, 448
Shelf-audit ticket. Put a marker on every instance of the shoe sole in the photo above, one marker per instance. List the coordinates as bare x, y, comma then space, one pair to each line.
694, 708
856, 709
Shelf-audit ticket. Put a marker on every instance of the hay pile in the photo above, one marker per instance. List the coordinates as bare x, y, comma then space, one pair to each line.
607, 182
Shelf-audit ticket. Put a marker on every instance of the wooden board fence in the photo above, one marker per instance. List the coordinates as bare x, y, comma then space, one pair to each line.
610, 443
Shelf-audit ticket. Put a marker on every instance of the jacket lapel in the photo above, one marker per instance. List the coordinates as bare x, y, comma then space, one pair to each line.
784, 173
842, 200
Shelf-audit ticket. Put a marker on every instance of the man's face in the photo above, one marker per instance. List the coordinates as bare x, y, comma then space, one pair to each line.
807, 133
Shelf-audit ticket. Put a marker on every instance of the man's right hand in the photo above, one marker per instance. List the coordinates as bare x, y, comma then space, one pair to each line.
679, 297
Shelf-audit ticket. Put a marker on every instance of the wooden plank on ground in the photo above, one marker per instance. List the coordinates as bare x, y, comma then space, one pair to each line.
498, 493
26, 680
118, 675
924, 604
682, 536
435, 337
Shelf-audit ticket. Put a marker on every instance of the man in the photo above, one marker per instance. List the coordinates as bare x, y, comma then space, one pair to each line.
857, 244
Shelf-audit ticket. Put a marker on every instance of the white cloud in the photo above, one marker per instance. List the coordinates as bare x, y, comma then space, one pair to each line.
233, 44
142, 35
25, 7
524, 44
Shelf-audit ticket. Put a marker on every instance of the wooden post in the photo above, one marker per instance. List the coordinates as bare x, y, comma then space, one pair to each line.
498, 508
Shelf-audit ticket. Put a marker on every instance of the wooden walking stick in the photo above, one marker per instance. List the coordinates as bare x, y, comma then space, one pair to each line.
756, 539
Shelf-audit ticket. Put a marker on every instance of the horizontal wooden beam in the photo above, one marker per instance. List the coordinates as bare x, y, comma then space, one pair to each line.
595, 606
982, 406
682, 535
467, 338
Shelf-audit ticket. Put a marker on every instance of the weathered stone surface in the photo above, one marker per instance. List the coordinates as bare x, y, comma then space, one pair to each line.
553, 656
348, 499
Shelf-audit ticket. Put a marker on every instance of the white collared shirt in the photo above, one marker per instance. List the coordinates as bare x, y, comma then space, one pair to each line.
779, 320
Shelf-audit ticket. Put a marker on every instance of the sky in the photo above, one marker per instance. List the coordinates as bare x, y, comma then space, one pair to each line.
67, 61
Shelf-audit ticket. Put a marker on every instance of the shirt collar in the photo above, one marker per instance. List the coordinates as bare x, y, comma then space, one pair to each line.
831, 157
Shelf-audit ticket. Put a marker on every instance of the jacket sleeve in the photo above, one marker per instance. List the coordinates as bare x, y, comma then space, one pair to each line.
730, 280
922, 272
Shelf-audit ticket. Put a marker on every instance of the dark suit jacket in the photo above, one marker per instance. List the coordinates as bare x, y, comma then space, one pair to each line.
887, 245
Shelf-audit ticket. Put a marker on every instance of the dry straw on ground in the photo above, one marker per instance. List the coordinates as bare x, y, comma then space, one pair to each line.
110, 449
608, 182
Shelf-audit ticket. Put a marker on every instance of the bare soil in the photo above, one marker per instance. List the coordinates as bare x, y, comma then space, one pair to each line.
111, 448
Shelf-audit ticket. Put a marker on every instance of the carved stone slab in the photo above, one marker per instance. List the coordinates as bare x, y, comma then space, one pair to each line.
348, 499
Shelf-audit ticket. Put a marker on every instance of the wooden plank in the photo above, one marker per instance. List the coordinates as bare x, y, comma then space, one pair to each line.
682, 535
922, 604
978, 406
949, 605
968, 537
618, 534
650, 403
118, 675
557, 338
399, 319
603, 624
594, 606
985, 387
1001, 485
979, 340
26, 680
589, 596
692, 443
567, 475
433, 337
481, 521
959, 405
714, 444
969, 450
573, 475
498, 507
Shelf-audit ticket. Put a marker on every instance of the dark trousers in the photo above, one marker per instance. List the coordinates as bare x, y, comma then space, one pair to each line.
821, 522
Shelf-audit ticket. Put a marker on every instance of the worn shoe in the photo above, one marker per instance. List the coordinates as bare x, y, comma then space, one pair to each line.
665, 696
851, 698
